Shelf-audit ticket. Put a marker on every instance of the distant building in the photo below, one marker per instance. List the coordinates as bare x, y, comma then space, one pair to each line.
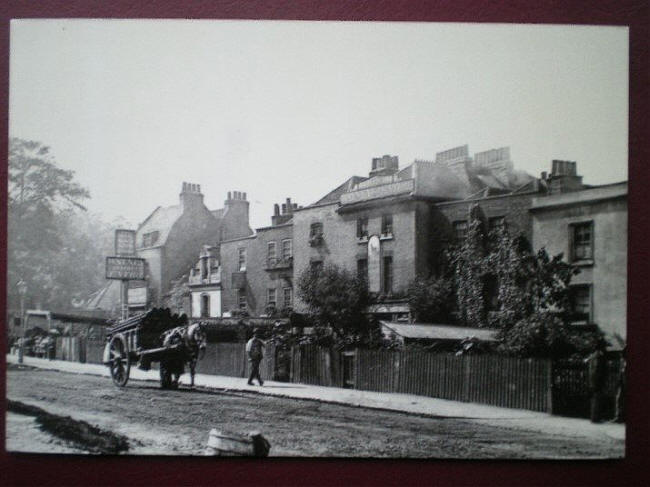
170, 239
382, 226
589, 227
257, 270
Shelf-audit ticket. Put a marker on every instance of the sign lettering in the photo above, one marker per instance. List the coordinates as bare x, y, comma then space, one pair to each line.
125, 243
125, 268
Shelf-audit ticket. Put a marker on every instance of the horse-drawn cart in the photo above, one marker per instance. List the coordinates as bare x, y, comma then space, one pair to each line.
155, 336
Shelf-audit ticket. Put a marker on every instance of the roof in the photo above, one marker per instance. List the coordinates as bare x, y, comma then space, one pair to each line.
439, 332
161, 220
334, 195
597, 193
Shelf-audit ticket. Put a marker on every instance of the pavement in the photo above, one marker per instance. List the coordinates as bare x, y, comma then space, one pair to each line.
406, 403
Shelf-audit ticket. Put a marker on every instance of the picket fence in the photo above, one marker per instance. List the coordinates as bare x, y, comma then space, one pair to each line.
488, 379
559, 387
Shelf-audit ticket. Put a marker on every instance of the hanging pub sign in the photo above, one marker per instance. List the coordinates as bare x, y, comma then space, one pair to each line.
125, 268
125, 243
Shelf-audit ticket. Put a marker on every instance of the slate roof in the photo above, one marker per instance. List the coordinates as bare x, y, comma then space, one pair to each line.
335, 195
439, 332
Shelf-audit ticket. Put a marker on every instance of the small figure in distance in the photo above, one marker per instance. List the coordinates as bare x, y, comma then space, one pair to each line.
255, 351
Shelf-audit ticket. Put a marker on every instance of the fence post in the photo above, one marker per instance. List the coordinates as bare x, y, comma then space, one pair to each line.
549, 386
467, 371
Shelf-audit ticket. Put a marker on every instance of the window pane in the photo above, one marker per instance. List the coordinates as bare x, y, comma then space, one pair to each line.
460, 230
287, 296
387, 225
362, 227
286, 249
272, 254
583, 241
242, 259
388, 274
580, 303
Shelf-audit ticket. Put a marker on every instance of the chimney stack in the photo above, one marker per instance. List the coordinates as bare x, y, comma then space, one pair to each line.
190, 197
278, 218
564, 177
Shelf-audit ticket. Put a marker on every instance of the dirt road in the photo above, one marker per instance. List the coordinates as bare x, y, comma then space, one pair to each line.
177, 422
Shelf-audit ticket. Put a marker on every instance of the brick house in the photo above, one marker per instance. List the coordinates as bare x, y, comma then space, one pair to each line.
257, 270
382, 226
171, 237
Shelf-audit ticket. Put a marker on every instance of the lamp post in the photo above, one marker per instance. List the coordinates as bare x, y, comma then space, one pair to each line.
22, 291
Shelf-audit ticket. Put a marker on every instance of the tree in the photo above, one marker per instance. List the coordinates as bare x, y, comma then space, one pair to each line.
52, 245
532, 293
336, 300
430, 298
467, 260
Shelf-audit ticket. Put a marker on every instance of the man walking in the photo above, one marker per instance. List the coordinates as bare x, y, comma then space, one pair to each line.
254, 349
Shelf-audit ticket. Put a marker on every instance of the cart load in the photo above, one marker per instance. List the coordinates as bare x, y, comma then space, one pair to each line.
155, 336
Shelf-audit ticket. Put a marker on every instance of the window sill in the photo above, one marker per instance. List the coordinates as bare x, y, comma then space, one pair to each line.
583, 262
387, 236
362, 240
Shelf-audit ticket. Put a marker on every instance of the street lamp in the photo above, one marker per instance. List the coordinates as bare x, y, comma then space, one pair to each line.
22, 291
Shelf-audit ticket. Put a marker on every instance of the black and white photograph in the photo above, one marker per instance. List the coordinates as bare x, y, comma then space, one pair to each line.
264, 238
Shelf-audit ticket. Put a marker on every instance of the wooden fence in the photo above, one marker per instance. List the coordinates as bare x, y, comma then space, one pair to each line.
487, 379
230, 359
227, 359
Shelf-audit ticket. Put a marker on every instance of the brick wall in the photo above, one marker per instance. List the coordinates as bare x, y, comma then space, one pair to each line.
259, 278
342, 248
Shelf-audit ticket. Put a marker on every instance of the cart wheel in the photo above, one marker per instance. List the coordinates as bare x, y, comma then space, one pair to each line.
165, 375
119, 362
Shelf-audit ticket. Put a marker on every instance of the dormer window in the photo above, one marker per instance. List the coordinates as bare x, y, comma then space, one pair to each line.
150, 239
362, 228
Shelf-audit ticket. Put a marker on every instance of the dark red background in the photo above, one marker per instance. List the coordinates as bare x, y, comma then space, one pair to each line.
70, 470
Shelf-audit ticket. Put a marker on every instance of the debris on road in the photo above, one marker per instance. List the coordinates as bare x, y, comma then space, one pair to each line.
83, 435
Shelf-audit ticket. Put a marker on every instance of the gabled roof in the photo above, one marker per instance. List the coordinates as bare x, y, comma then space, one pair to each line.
335, 195
161, 220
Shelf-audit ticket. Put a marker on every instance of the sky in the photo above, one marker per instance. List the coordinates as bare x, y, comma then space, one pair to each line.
283, 109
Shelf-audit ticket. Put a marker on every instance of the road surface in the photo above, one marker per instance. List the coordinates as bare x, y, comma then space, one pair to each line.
178, 422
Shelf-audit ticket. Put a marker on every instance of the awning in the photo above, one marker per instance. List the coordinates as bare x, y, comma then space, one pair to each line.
438, 332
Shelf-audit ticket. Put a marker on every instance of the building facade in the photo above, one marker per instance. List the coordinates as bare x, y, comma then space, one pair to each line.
171, 238
257, 270
388, 227
589, 227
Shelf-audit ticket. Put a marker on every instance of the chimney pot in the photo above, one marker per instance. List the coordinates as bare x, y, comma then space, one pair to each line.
229, 195
276, 209
284, 208
243, 196
198, 188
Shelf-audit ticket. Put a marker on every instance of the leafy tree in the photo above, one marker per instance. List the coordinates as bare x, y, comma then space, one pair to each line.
336, 300
54, 245
430, 298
